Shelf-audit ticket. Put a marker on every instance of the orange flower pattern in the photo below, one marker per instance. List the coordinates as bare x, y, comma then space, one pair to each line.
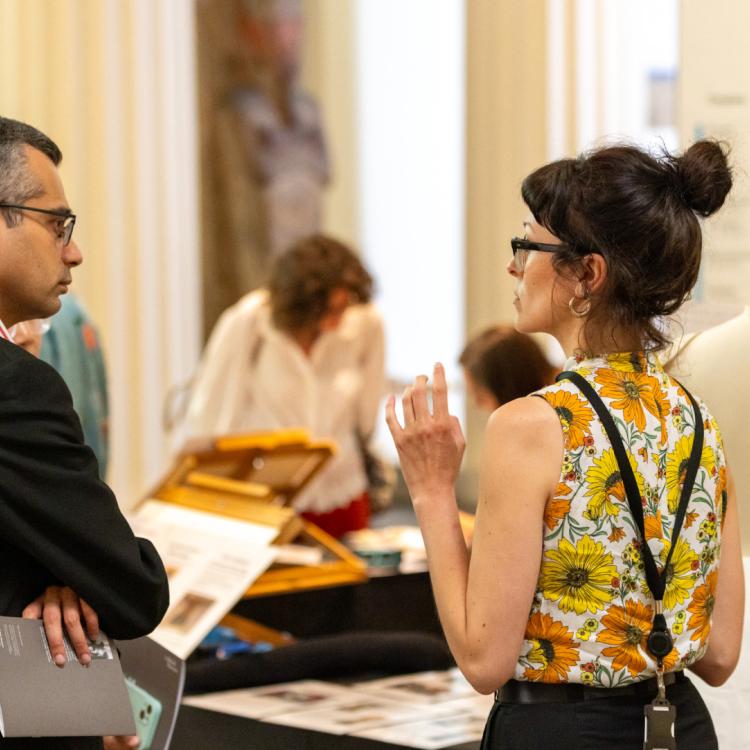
553, 650
627, 629
557, 508
575, 416
701, 608
630, 393
593, 611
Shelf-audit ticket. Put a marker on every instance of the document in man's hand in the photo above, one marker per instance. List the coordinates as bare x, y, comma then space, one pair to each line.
39, 699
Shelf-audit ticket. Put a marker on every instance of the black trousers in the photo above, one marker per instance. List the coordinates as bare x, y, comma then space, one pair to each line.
612, 723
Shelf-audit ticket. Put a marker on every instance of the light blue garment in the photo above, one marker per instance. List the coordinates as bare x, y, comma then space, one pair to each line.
72, 347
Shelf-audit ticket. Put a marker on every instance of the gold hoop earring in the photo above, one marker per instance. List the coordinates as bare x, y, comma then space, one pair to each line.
583, 311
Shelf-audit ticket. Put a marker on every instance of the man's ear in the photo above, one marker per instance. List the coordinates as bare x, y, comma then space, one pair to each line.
593, 272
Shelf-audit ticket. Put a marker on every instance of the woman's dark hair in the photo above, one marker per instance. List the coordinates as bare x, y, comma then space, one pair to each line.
507, 363
303, 278
639, 212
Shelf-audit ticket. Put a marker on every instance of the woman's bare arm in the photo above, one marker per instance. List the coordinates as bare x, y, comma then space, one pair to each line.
725, 638
483, 602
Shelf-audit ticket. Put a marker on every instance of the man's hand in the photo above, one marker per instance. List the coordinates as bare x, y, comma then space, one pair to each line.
60, 606
120, 743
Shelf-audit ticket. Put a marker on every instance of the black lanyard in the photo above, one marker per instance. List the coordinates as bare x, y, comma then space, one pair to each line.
656, 581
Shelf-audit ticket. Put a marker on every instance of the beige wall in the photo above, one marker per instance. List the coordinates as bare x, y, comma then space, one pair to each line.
714, 102
328, 72
112, 82
506, 137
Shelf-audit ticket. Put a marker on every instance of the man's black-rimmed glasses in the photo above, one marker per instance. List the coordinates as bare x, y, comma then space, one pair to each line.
68, 218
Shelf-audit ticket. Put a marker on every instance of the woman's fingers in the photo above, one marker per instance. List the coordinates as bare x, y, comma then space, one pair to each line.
390, 417
419, 398
408, 407
439, 392
415, 402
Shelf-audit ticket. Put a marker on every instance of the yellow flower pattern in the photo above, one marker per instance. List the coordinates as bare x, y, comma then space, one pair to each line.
605, 485
578, 578
593, 609
677, 462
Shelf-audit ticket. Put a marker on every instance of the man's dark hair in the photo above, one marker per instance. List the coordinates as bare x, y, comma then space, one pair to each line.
16, 184
303, 278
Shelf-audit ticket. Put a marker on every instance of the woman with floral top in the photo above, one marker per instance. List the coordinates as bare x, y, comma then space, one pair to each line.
553, 608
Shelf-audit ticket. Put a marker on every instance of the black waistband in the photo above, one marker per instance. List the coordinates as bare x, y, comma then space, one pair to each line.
515, 691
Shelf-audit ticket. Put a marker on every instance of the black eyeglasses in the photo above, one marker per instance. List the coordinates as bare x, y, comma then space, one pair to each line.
68, 219
522, 247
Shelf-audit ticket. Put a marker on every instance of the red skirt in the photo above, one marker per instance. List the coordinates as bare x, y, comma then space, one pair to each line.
338, 521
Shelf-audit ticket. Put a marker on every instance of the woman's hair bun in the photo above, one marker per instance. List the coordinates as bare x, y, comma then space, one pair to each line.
703, 176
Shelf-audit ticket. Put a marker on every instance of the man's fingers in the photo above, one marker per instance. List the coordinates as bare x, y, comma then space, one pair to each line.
34, 610
120, 743
73, 626
91, 619
52, 617
64, 613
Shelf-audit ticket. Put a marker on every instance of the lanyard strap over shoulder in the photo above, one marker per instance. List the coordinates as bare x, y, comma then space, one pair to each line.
656, 581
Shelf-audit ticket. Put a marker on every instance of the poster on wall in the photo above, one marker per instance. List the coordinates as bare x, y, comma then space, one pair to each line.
715, 103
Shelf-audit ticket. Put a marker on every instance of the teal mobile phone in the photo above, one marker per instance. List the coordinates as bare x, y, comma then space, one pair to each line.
146, 712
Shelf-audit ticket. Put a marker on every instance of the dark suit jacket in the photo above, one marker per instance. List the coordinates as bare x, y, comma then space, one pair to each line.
59, 523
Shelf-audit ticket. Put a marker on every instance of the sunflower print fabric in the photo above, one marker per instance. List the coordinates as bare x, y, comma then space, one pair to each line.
593, 610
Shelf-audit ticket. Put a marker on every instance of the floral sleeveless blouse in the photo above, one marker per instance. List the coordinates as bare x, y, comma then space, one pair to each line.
592, 611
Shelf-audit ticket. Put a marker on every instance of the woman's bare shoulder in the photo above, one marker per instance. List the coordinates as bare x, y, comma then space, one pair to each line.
528, 418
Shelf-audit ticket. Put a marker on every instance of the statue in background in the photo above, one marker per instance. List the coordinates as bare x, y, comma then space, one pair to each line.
264, 154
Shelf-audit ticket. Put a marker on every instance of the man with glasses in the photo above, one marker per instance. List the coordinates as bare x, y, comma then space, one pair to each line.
66, 552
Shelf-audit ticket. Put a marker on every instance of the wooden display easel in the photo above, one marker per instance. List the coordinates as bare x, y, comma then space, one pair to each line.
255, 477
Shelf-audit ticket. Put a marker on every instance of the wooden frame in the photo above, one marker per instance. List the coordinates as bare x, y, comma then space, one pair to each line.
255, 477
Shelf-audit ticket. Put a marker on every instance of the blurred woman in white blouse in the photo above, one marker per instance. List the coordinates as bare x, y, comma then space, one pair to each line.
306, 351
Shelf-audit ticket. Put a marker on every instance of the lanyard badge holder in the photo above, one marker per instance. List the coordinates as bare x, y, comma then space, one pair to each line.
660, 715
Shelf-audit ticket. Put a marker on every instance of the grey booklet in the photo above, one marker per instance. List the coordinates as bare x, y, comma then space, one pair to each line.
39, 699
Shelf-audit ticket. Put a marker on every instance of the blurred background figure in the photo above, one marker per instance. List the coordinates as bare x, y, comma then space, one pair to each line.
306, 351
73, 347
70, 343
500, 364
693, 360
264, 156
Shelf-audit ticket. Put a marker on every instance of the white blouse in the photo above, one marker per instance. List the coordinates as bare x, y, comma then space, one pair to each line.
255, 377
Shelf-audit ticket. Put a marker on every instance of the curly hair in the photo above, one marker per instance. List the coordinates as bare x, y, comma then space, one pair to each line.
303, 278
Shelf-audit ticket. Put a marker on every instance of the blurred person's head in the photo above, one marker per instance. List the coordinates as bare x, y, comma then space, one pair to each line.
313, 284
613, 243
500, 365
272, 33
